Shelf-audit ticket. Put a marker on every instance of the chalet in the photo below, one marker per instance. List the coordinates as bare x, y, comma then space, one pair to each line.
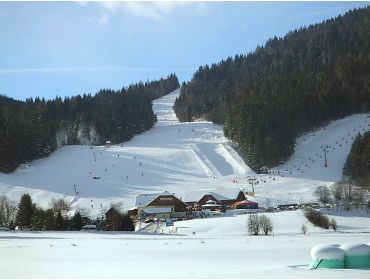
225, 197
162, 205
113, 219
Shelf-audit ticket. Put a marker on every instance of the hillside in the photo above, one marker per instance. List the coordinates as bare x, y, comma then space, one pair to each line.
177, 157
288, 87
34, 128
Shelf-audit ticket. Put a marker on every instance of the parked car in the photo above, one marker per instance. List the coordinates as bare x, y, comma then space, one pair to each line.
89, 228
4, 228
22, 228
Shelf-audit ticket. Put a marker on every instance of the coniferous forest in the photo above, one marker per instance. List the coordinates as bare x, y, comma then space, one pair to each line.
291, 85
34, 128
357, 166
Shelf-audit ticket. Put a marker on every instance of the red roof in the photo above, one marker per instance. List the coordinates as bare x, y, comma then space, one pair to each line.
246, 202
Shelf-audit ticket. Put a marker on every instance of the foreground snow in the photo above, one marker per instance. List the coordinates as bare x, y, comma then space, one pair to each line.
207, 248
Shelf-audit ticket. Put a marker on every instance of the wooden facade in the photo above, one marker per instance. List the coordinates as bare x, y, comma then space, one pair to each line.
225, 202
169, 201
113, 220
179, 209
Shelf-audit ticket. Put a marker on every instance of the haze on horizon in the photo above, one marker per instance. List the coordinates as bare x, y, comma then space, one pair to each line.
66, 48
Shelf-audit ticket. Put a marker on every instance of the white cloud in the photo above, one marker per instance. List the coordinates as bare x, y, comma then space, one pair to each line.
155, 11
101, 20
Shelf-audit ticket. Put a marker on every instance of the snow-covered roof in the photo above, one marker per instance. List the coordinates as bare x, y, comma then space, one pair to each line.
327, 252
219, 194
144, 199
355, 249
157, 210
245, 202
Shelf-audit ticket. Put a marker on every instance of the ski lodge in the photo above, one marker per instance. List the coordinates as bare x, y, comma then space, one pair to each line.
162, 205
224, 198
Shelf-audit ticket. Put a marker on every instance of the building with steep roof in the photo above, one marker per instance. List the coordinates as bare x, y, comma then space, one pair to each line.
225, 197
162, 205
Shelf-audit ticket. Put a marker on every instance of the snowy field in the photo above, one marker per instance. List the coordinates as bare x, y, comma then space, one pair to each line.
204, 248
179, 157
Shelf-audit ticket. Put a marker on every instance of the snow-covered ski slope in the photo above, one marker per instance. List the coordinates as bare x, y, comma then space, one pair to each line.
179, 157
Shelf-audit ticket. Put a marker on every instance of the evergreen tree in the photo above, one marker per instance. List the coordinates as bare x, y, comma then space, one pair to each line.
77, 222
26, 210
126, 223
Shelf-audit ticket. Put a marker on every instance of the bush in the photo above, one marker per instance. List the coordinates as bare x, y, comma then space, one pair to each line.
126, 223
304, 229
333, 224
316, 218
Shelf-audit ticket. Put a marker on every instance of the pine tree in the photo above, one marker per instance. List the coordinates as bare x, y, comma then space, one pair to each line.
26, 210
77, 222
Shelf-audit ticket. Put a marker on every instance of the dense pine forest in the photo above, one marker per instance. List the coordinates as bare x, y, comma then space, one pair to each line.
357, 166
291, 85
34, 128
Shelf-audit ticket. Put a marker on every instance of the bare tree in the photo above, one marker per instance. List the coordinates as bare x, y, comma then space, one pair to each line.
333, 224
304, 229
265, 224
59, 205
8, 211
119, 206
323, 194
348, 194
358, 197
253, 224
337, 193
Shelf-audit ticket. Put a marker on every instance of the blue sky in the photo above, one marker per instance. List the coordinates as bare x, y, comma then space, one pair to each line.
53, 49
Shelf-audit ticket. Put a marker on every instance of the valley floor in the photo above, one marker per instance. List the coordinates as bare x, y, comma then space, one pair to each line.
205, 248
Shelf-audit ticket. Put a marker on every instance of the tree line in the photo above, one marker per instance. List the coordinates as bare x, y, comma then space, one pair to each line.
289, 86
34, 128
28, 215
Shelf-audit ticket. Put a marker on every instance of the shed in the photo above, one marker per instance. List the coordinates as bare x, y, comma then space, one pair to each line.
113, 219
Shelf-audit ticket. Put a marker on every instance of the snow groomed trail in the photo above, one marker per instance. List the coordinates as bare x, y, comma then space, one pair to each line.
179, 157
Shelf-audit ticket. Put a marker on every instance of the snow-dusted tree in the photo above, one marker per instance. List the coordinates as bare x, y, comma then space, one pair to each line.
253, 224
323, 194
348, 194
265, 224
333, 224
8, 211
358, 197
59, 205
304, 229
337, 193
